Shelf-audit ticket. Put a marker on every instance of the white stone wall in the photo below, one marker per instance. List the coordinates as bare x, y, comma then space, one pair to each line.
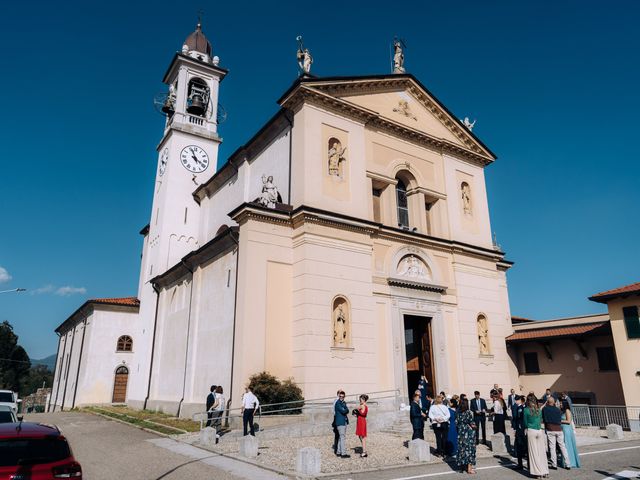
246, 186
194, 338
99, 359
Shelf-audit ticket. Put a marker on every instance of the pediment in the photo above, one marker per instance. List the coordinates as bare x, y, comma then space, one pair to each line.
401, 99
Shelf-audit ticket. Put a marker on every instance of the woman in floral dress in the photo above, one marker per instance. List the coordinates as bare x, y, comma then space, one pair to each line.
466, 438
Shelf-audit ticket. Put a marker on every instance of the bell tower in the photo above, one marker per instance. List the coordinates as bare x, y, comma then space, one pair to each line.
187, 157
187, 152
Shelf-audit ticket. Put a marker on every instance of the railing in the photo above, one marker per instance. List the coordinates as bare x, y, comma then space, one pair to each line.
309, 407
603, 415
196, 120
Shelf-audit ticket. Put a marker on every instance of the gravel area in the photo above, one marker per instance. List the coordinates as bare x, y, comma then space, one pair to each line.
384, 450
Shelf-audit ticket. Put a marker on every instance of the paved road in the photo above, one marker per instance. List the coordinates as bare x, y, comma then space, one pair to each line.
611, 461
108, 450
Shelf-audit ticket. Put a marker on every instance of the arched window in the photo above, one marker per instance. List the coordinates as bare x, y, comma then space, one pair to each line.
403, 205
197, 97
125, 344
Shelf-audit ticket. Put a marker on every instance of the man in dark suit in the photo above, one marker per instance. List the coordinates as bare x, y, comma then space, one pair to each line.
211, 400
417, 416
479, 409
511, 405
520, 443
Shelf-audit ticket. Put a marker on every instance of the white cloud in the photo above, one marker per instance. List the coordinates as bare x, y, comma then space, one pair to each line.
69, 290
4, 275
46, 289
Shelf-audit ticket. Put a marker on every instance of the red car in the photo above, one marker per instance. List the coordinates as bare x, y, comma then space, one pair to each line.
34, 451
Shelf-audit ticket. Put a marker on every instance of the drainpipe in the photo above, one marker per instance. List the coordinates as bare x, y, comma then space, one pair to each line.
186, 350
55, 369
75, 390
153, 345
235, 309
66, 377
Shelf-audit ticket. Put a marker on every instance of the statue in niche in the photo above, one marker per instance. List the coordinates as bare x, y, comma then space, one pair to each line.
304, 57
466, 197
340, 327
411, 266
483, 335
269, 196
404, 109
398, 56
336, 157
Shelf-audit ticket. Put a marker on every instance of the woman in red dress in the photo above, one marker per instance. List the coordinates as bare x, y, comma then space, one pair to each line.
361, 425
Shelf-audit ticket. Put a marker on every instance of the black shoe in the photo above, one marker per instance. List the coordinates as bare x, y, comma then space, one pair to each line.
345, 456
567, 468
553, 468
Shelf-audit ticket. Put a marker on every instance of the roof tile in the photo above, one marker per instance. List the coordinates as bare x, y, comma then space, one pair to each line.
602, 297
555, 332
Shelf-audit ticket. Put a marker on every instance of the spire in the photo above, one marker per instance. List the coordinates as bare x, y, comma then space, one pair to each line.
197, 41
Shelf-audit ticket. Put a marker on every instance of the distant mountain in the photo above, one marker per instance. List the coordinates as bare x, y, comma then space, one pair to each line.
49, 361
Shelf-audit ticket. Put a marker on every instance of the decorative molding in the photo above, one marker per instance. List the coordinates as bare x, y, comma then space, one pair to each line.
342, 353
305, 93
415, 284
403, 83
381, 178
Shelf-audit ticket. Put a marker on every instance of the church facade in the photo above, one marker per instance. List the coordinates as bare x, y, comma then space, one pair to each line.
347, 244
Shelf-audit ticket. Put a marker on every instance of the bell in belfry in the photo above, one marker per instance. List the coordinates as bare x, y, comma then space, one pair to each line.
197, 106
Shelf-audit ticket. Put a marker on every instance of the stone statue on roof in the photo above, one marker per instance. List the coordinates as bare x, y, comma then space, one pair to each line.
304, 57
398, 56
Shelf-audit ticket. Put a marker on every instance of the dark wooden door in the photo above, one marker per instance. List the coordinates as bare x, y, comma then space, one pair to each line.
120, 385
419, 355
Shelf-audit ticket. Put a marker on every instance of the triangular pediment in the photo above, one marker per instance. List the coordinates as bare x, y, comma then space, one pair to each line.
401, 99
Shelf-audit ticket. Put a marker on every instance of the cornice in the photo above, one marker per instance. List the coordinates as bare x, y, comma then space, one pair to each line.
294, 218
305, 94
363, 86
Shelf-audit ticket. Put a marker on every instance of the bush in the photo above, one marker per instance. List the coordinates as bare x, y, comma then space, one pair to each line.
270, 390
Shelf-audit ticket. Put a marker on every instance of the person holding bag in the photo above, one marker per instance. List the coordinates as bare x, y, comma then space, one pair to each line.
439, 416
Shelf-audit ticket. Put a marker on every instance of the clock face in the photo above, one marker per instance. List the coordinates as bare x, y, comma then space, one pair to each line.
194, 159
164, 158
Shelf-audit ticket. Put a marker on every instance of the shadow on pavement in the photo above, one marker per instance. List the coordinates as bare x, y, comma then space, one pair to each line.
169, 472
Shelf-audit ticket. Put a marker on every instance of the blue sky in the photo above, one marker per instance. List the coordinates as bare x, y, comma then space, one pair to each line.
553, 85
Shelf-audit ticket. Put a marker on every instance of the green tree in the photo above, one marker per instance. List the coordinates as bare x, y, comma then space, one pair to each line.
270, 390
37, 377
14, 361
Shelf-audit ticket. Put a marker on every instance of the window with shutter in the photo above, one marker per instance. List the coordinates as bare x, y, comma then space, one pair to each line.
631, 321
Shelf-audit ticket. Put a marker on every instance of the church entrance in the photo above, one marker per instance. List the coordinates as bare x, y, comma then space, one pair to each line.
120, 385
419, 355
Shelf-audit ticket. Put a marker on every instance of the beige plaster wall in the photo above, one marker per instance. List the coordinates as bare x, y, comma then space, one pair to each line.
328, 263
311, 183
262, 246
627, 350
418, 117
569, 370
479, 288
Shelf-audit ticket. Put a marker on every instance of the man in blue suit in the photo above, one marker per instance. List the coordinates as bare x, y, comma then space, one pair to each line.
341, 412
479, 409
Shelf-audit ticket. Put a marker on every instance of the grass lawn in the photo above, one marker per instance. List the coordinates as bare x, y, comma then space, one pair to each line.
160, 422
